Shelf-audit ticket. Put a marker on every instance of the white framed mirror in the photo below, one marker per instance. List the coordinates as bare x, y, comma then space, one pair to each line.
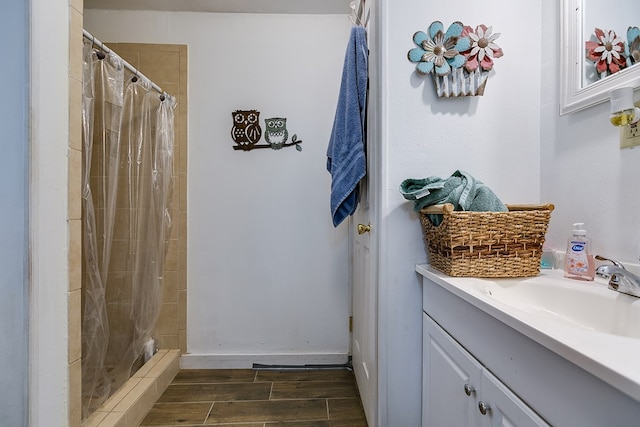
576, 91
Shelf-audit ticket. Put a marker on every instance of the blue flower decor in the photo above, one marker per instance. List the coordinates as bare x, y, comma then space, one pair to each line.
633, 45
439, 52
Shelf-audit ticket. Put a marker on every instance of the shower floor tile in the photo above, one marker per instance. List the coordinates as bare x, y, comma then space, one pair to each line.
249, 398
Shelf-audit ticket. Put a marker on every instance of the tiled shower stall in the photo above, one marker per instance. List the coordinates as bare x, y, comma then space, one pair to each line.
166, 65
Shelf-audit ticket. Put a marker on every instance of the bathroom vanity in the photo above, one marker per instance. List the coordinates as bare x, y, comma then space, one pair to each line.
528, 352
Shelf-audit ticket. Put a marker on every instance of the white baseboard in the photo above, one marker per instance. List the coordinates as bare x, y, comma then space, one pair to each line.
246, 361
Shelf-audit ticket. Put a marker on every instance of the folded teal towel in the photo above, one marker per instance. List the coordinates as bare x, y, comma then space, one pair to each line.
461, 189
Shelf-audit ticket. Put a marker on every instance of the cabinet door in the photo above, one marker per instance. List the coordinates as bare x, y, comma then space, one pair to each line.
450, 378
499, 407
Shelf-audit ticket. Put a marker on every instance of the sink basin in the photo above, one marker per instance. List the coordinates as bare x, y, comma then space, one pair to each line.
589, 305
586, 323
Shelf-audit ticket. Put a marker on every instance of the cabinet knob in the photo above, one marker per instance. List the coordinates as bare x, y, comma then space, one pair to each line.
484, 408
468, 389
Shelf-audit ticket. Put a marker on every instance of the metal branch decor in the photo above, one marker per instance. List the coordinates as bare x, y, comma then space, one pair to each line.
459, 59
246, 132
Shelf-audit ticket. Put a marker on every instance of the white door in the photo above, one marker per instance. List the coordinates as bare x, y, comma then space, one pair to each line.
364, 339
365, 303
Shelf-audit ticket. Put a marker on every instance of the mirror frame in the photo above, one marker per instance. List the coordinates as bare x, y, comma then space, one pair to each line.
572, 96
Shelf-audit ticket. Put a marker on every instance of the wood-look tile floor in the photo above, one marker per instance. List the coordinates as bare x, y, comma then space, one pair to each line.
249, 398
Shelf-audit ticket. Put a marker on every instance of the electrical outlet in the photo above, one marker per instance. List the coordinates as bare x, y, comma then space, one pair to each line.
630, 134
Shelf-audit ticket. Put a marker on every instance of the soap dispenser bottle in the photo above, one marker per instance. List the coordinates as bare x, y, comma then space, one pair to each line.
578, 261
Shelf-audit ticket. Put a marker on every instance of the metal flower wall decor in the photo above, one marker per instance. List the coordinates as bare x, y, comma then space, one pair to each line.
459, 59
611, 53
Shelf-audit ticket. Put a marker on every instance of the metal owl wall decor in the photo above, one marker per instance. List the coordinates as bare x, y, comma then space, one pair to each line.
276, 132
246, 132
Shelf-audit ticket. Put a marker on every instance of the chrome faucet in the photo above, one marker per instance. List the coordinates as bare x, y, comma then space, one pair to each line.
620, 279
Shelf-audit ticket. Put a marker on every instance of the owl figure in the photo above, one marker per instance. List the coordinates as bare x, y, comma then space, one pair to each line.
275, 132
246, 130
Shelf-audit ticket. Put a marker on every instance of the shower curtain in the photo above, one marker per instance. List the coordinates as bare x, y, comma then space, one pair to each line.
127, 184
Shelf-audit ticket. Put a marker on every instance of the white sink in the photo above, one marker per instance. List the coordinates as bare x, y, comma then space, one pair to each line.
584, 322
589, 305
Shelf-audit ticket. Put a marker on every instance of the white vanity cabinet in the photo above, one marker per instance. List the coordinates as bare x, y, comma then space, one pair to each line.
524, 379
458, 391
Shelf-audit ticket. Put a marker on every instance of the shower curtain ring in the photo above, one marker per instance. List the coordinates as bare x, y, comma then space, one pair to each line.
99, 49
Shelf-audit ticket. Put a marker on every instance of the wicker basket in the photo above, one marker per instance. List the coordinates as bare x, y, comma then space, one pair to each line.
487, 244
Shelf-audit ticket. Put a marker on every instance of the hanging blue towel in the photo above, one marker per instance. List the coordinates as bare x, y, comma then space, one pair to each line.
346, 153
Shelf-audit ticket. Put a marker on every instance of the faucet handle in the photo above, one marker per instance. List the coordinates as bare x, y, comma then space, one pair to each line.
616, 263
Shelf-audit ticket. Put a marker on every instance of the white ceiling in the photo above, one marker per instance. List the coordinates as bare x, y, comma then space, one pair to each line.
227, 6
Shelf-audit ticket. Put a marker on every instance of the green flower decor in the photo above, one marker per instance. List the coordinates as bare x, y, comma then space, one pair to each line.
439, 52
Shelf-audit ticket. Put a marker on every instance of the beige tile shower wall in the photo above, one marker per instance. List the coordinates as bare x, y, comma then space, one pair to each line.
74, 214
166, 65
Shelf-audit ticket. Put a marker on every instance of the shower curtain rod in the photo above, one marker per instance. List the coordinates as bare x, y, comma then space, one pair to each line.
130, 67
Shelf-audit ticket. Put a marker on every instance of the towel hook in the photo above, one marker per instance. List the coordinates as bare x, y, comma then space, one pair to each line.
353, 15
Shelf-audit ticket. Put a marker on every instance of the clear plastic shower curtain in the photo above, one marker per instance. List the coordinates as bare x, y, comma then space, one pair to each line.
126, 190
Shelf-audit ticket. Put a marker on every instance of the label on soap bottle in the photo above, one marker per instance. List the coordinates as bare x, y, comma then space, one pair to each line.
577, 261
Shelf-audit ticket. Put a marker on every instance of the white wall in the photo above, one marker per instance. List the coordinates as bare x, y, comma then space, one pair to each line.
49, 274
267, 272
495, 137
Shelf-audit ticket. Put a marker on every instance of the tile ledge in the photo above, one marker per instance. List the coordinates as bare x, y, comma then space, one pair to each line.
155, 388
